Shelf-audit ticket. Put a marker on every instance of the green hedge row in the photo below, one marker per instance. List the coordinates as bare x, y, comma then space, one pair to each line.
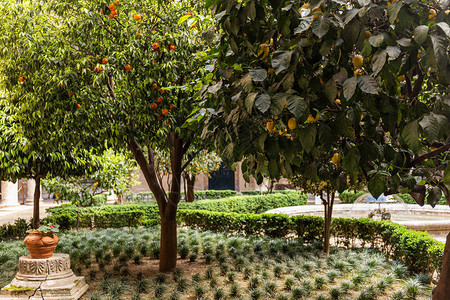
417, 250
16, 231
218, 194
102, 219
242, 204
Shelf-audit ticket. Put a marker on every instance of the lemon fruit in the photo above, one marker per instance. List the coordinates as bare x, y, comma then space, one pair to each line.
270, 126
336, 159
292, 123
357, 61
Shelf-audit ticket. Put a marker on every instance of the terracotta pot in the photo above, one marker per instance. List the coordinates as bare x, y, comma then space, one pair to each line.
40, 246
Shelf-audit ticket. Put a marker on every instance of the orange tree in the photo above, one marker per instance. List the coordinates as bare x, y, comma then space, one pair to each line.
121, 73
361, 84
201, 162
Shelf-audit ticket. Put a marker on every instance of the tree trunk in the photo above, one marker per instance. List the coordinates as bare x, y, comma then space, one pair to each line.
442, 290
36, 198
190, 195
167, 204
328, 212
168, 247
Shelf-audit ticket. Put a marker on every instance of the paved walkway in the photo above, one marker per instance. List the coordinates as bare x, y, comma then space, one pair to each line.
11, 213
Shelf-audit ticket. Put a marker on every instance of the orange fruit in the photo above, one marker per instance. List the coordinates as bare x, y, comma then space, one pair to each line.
162, 92
79, 106
114, 12
139, 34
154, 86
311, 119
104, 61
189, 14
127, 67
155, 46
112, 7
292, 123
117, 2
21, 79
160, 99
336, 159
154, 61
171, 47
154, 106
164, 112
137, 17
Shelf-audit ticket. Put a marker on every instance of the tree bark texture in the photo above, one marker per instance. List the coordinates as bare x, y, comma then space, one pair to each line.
190, 182
442, 290
36, 198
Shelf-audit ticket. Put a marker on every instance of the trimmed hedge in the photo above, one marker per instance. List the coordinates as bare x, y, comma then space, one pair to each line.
417, 250
16, 231
349, 196
102, 219
242, 204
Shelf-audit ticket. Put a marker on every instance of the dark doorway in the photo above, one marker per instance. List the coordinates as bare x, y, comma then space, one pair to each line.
222, 179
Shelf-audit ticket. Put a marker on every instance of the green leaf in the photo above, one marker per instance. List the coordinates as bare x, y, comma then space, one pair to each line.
430, 127
376, 40
420, 34
258, 75
434, 195
440, 53
320, 26
249, 101
444, 26
341, 183
278, 102
297, 105
308, 137
377, 185
281, 61
367, 49
304, 25
404, 42
368, 84
393, 11
311, 171
350, 87
274, 170
262, 102
410, 135
331, 89
378, 61
393, 52
351, 159
251, 10
313, 4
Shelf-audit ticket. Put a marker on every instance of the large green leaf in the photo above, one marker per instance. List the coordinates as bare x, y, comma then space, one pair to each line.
281, 61
274, 169
410, 135
278, 102
308, 137
297, 105
378, 61
444, 26
377, 185
393, 11
434, 195
440, 53
351, 159
320, 26
304, 25
430, 127
393, 52
350, 87
368, 84
331, 89
420, 34
258, 74
376, 40
262, 102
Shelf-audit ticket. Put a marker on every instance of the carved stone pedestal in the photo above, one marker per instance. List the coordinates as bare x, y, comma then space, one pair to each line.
49, 279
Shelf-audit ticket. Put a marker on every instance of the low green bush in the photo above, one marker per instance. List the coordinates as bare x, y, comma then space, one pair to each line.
407, 198
102, 219
349, 196
417, 250
16, 231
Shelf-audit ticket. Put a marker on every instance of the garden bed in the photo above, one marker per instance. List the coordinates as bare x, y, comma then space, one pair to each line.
122, 264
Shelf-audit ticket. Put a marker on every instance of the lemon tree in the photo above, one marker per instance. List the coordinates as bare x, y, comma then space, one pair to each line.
366, 82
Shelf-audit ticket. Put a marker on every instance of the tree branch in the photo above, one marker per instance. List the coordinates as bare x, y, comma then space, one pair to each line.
421, 158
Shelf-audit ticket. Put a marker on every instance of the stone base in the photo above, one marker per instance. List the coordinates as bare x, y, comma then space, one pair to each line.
49, 279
